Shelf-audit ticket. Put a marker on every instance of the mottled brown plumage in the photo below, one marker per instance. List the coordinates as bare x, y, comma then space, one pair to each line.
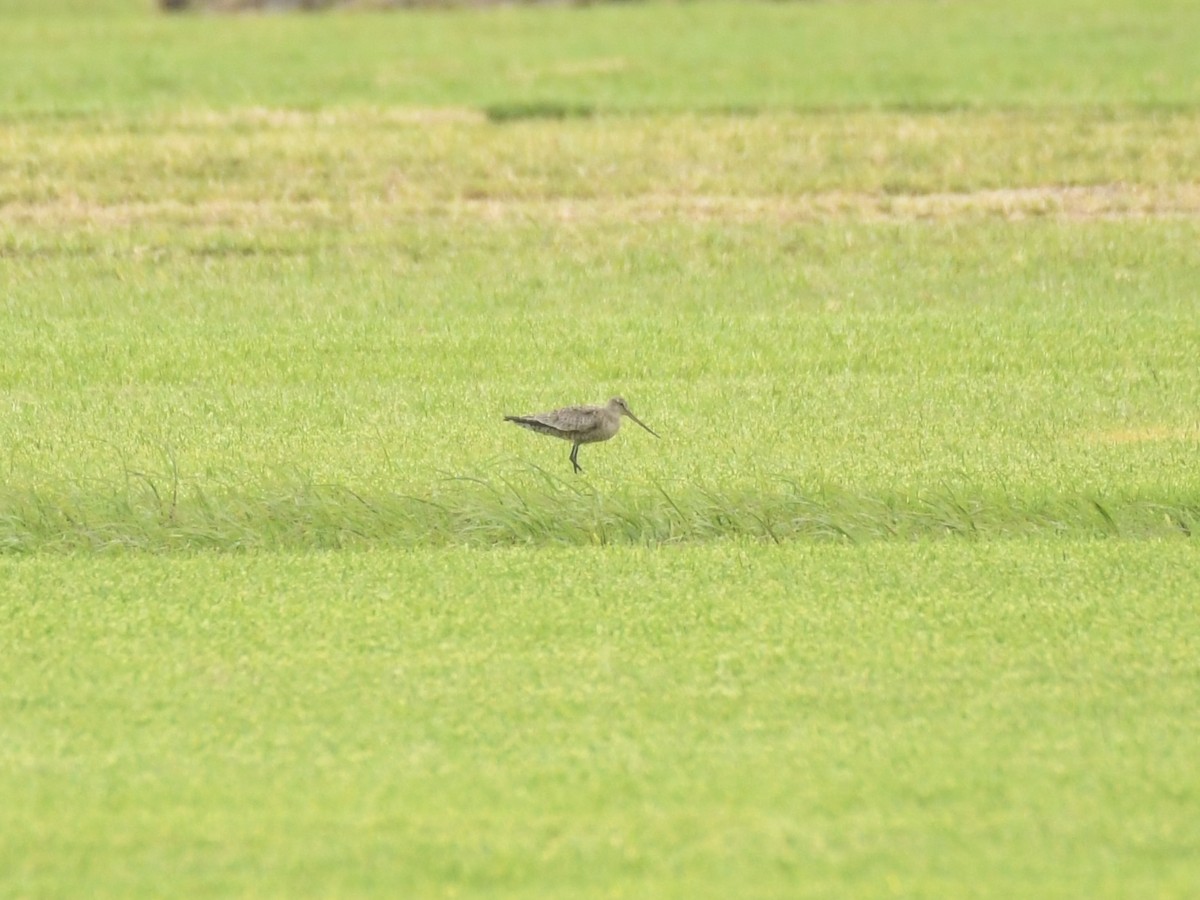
580, 424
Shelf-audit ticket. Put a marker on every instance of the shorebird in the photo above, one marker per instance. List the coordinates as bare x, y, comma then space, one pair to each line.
580, 424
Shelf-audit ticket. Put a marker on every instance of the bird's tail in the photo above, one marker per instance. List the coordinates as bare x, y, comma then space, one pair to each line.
535, 424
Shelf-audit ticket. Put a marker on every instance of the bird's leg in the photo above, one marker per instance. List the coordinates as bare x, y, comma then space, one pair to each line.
574, 459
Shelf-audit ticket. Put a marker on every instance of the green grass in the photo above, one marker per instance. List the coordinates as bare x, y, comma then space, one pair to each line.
899, 603
678, 57
852, 377
998, 718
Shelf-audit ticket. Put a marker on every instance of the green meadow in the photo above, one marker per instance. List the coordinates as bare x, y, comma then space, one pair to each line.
901, 603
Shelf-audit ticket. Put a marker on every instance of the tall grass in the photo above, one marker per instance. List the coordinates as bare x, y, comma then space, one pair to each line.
157, 513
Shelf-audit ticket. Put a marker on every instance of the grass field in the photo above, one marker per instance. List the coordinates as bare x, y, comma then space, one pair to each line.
996, 718
902, 603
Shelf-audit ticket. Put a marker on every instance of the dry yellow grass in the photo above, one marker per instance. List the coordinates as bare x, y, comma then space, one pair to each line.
1107, 202
267, 167
1145, 434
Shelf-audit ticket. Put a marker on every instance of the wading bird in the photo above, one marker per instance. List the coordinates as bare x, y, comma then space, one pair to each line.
580, 424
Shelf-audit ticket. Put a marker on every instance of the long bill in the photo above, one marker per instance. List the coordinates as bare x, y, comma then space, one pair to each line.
643, 424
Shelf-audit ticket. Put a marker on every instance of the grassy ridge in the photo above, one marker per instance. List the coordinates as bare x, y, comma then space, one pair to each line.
149, 516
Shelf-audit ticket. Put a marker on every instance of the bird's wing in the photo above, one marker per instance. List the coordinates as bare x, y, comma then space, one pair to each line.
565, 422
570, 418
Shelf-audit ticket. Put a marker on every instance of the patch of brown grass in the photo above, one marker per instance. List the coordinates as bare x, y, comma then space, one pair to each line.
1144, 434
1099, 202
259, 166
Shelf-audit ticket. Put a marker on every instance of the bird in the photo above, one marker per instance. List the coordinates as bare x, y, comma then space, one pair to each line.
580, 424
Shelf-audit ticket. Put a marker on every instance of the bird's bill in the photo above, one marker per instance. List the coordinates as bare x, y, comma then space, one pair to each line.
640, 422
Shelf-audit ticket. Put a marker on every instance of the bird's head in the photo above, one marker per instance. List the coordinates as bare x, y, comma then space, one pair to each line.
619, 404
